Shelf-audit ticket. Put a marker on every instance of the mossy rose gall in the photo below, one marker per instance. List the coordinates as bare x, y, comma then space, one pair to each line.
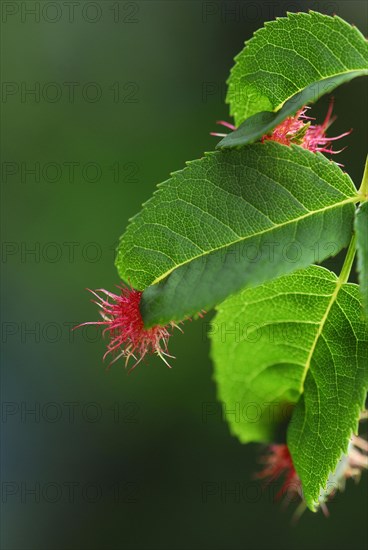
123, 323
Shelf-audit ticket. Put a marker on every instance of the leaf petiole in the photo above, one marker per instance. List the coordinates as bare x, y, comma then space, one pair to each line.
363, 191
348, 262
350, 255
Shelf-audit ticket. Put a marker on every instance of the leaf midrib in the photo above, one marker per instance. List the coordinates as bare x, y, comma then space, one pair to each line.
350, 200
339, 282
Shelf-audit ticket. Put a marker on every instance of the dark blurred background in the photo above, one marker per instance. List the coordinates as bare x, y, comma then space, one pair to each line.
101, 101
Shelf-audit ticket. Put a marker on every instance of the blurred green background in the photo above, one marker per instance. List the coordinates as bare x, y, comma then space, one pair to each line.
123, 94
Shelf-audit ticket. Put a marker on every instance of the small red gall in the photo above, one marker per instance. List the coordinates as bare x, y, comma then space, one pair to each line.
300, 130
124, 325
278, 464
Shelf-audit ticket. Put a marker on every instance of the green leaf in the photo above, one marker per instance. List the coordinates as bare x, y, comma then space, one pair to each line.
300, 339
335, 389
232, 219
361, 229
291, 62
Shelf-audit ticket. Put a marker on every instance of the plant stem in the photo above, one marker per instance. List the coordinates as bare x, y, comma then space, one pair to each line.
350, 255
348, 263
364, 185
